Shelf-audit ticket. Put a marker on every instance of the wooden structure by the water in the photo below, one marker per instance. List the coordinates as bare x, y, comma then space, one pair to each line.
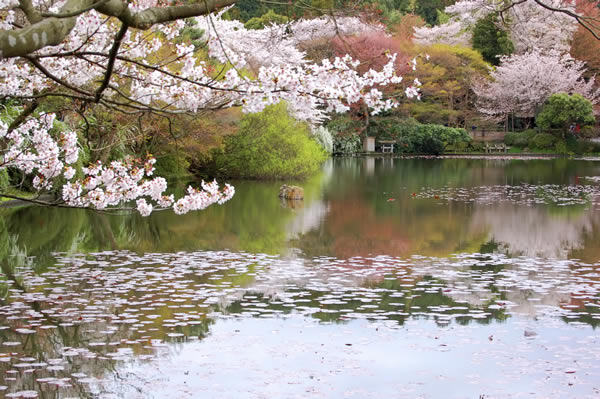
496, 148
387, 145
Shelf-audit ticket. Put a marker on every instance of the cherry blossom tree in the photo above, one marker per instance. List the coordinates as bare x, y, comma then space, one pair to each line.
530, 23
105, 53
522, 83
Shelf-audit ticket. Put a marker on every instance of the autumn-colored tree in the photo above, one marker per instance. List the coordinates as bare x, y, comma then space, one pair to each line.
585, 46
371, 49
446, 73
404, 29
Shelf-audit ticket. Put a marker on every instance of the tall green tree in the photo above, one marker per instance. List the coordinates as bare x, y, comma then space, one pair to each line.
428, 10
491, 41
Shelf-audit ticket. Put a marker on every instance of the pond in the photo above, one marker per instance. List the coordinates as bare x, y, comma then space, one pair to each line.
405, 278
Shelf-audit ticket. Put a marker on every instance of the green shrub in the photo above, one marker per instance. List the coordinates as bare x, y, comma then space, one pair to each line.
428, 144
561, 147
519, 139
4, 179
581, 147
433, 139
562, 110
269, 145
171, 165
543, 141
593, 147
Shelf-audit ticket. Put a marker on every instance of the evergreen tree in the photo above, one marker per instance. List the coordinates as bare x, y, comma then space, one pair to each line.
491, 41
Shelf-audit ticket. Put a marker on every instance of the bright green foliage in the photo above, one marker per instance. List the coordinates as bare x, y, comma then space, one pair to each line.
270, 17
269, 145
491, 41
4, 179
543, 141
442, 17
561, 110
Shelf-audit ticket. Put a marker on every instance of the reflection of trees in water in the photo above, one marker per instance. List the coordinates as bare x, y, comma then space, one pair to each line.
535, 231
58, 335
389, 225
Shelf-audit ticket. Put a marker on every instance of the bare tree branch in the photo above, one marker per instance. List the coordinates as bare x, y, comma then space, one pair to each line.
111, 60
583, 21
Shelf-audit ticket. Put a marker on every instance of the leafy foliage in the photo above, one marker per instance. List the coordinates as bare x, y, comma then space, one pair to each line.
347, 144
428, 10
543, 141
266, 19
561, 110
446, 73
491, 41
345, 131
269, 145
519, 139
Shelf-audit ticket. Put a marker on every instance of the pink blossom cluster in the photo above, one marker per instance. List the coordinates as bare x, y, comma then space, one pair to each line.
128, 180
186, 83
200, 199
276, 44
33, 149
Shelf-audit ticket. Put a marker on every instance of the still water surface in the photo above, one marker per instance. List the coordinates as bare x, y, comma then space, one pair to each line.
453, 278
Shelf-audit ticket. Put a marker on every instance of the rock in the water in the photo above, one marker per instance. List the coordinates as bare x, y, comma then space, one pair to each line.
291, 192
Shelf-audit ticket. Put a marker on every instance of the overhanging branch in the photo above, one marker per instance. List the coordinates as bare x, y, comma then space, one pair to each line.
52, 30
583, 21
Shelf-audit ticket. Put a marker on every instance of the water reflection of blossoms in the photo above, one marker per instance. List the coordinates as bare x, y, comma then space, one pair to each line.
534, 231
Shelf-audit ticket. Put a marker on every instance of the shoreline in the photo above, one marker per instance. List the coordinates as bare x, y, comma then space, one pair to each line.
524, 156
